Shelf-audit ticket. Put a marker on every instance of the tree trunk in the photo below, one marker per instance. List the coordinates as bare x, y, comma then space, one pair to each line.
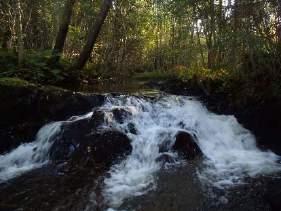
19, 34
279, 22
93, 35
6, 39
200, 47
220, 32
236, 24
211, 36
63, 30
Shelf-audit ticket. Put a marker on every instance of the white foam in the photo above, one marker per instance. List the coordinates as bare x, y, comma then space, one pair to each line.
32, 155
28, 156
230, 150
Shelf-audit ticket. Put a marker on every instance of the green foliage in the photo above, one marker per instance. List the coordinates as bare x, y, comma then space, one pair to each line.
258, 78
34, 69
226, 47
8, 60
200, 73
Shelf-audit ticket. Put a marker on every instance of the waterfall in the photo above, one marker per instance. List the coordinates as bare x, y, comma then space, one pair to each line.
230, 151
32, 155
28, 156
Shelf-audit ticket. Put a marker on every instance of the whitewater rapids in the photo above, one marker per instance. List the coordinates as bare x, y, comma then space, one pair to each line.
230, 151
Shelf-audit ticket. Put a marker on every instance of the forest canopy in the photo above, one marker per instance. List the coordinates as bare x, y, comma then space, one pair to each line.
224, 40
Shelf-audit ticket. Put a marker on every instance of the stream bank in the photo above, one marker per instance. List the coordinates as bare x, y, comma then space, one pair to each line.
25, 107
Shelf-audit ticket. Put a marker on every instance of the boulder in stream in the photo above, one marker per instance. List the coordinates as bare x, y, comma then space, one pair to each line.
106, 147
120, 114
186, 146
29, 106
165, 158
83, 143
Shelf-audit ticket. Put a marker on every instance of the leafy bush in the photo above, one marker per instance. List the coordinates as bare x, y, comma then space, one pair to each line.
256, 80
35, 67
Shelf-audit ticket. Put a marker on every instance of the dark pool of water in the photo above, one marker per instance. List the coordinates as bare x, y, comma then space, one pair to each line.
179, 189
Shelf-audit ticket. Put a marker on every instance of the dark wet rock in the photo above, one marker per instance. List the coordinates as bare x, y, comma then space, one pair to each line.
27, 107
165, 158
80, 156
98, 118
106, 148
43, 190
132, 128
165, 146
167, 142
81, 143
69, 139
186, 146
265, 122
273, 195
181, 124
120, 114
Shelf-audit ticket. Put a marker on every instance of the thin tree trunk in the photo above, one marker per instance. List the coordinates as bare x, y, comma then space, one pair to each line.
279, 22
63, 30
200, 47
6, 39
93, 35
220, 32
212, 39
19, 34
235, 31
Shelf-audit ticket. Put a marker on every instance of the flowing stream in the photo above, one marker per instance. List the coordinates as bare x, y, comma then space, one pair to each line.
230, 151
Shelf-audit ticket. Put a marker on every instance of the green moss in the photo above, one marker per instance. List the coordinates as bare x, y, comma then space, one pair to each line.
8, 85
53, 90
15, 82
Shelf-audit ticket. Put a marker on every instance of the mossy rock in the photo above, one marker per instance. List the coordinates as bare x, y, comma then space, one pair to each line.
15, 82
28, 106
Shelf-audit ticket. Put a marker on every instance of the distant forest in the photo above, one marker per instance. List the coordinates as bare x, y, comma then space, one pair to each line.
234, 41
